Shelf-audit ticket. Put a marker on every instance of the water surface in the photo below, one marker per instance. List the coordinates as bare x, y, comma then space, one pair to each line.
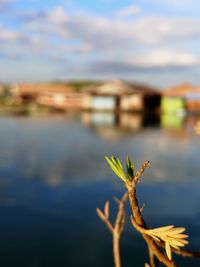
53, 176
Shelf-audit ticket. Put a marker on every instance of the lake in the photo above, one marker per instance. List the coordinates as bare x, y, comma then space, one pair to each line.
53, 175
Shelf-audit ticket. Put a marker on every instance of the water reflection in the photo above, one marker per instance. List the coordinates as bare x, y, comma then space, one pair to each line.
127, 121
137, 121
117, 125
171, 121
53, 176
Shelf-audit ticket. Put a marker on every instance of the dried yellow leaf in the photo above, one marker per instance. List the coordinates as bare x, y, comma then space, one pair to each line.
168, 250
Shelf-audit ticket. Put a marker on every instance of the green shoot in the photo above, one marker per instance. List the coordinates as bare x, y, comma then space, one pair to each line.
130, 167
116, 166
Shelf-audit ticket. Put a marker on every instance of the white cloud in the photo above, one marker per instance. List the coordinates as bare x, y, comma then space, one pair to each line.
6, 1
5, 4
114, 40
16, 44
8, 35
57, 15
107, 33
103, 38
128, 11
155, 60
176, 5
166, 58
157, 29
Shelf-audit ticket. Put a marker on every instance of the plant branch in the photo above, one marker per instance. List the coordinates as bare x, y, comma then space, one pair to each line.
152, 245
118, 227
169, 237
151, 258
182, 252
138, 221
105, 220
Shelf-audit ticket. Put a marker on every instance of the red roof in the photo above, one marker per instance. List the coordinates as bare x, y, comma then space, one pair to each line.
182, 90
38, 88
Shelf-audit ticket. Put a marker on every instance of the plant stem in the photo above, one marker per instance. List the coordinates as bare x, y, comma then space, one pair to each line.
116, 249
151, 258
141, 224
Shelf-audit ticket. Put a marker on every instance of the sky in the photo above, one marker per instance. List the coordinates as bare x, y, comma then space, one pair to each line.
150, 41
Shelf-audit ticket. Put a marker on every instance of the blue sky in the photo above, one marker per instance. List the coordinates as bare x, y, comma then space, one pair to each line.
149, 41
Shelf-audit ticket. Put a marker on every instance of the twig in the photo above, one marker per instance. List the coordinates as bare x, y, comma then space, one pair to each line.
170, 237
138, 221
152, 245
140, 172
118, 227
105, 220
151, 258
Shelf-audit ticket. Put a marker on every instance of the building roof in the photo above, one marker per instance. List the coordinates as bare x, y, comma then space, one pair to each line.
39, 88
118, 87
182, 90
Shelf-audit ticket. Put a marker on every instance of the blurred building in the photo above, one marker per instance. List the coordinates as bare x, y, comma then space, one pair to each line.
118, 95
181, 97
115, 95
62, 101
58, 96
1, 88
31, 91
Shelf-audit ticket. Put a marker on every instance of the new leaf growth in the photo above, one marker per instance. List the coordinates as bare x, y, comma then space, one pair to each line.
116, 166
